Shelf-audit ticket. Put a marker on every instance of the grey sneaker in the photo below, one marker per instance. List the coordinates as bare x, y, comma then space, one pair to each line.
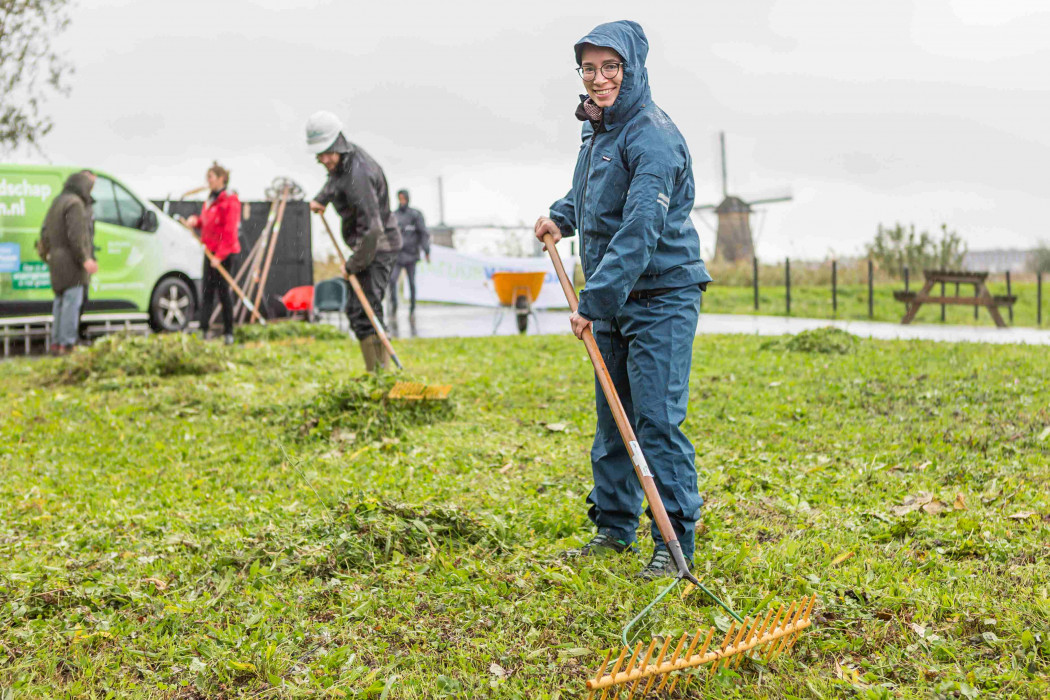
660, 566
600, 545
228, 339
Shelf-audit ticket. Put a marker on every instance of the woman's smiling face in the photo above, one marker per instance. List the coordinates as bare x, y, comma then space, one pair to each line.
602, 90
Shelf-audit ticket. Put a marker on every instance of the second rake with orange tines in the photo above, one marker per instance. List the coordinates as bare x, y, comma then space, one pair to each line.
771, 634
760, 637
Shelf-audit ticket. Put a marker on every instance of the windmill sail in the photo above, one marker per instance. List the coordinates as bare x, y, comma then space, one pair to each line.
734, 240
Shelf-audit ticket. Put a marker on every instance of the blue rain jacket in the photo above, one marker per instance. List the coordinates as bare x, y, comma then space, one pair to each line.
632, 190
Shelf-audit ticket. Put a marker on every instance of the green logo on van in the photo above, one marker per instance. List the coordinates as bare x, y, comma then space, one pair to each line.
33, 275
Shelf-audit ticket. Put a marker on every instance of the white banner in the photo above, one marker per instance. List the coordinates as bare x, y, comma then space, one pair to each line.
455, 277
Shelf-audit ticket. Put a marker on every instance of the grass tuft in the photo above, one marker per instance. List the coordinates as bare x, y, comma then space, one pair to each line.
287, 330
162, 355
826, 341
358, 410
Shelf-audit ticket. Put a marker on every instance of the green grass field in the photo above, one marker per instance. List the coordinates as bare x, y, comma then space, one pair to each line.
220, 534
814, 301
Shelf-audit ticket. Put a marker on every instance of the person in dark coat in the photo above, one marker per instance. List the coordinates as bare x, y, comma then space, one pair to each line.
632, 192
414, 238
82, 328
218, 224
65, 245
357, 190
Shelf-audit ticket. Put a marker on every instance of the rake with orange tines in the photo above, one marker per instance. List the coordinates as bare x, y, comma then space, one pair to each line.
768, 636
760, 637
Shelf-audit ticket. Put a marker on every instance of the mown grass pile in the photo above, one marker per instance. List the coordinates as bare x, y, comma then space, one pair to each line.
286, 330
828, 341
357, 409
365, 532
163, 355
185, 541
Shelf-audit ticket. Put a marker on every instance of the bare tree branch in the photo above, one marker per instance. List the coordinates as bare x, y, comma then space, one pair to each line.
30, 69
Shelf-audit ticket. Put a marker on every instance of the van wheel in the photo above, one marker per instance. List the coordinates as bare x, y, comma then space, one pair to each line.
171, 308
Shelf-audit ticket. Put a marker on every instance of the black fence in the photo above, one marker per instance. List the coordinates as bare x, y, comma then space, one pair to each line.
905, 278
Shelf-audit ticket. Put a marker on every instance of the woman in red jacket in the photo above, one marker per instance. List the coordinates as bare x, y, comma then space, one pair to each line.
218, 224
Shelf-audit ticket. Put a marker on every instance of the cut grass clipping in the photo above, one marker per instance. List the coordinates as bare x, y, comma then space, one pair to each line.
287, 330
827, 341
358, 410
367, 532
163, 355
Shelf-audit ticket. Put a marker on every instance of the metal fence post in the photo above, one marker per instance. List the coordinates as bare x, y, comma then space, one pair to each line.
787, 283
942, 305
871, 289
1039, 298
906, 286
834, 287
754, 278
1009, 308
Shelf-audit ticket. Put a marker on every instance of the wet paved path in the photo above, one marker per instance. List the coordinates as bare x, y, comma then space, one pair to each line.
440, 321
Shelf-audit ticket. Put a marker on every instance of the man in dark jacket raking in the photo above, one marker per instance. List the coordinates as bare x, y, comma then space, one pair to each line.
357, 190
65, 245
414, 236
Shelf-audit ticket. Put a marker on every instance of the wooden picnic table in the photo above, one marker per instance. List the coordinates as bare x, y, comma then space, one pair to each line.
981, 295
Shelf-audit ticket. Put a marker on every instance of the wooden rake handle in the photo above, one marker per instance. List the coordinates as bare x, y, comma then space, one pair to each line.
271, 244
630, 441
356, 286
225, 275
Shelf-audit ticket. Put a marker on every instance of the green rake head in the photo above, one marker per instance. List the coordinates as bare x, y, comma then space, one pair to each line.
763, 638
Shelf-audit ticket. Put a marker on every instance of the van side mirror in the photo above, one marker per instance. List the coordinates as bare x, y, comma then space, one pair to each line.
149, 221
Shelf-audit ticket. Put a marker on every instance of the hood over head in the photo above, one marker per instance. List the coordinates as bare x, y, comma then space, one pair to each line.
626, 38
340, 145
79, 183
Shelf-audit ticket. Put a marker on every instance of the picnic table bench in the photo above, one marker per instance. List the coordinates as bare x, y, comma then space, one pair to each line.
981, 295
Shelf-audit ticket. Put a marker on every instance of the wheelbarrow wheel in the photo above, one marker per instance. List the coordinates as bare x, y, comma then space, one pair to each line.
521, 309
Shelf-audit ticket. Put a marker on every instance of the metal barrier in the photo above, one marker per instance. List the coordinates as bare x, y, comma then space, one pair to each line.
24, 330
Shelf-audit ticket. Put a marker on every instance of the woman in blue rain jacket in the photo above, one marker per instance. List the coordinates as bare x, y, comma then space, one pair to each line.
632, 193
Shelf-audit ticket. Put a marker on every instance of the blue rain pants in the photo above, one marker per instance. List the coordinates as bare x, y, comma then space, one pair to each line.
648, 348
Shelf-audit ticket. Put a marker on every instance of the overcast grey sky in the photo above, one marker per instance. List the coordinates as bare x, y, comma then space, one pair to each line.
867, 112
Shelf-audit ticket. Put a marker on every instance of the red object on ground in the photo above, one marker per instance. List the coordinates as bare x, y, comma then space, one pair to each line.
299, 298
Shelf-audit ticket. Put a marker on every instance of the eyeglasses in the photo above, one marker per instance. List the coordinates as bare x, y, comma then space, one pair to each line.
609, 70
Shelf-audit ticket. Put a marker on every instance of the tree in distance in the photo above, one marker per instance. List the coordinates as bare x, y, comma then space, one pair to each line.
896, 248
1039, 261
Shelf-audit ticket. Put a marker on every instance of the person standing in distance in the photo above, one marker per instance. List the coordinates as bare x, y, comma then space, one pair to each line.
65, 244
632, 192
414, 236
218, 224
357, 190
